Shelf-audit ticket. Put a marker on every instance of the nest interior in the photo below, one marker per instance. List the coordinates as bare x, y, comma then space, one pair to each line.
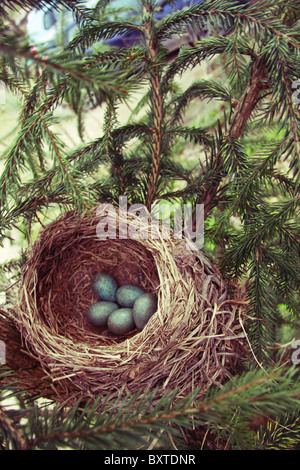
195, 338
65, 291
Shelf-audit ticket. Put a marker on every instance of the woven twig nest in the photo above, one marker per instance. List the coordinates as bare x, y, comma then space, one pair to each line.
193, 340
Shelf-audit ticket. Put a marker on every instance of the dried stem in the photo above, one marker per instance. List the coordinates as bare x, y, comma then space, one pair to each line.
244, 109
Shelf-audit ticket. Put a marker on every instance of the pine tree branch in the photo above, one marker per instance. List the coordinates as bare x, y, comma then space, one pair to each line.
156, 97
281, 434
133, 419
100, 31
252, 16
202, 89
192, 56
108, 82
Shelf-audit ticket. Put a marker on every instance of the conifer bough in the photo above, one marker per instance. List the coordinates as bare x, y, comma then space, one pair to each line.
247, 176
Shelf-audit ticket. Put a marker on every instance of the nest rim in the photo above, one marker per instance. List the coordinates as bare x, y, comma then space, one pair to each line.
189, 352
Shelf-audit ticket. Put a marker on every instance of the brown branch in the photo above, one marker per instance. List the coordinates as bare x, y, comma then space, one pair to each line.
157, 138
243, 111
157, 113
246, 105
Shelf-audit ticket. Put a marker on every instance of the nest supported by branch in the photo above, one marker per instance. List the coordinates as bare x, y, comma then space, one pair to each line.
194, 340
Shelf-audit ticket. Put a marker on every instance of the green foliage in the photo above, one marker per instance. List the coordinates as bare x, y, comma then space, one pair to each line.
132, 422
281, 434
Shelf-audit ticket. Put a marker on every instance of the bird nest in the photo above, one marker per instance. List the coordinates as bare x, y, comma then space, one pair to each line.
193, 340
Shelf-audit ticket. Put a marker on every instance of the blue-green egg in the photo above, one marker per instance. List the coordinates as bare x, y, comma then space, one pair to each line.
99, 312
126, 295
121, 321
143, 309
105, 286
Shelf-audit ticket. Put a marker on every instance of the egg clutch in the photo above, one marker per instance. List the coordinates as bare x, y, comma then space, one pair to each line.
121, 308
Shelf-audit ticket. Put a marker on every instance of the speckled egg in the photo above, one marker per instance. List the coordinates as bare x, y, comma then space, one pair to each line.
144, 307
105, 286
127, 295
99, 312
121, 321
